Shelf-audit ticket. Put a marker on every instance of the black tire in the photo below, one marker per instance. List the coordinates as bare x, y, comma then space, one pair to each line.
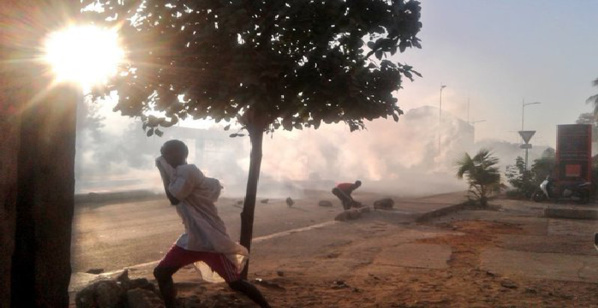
538, 196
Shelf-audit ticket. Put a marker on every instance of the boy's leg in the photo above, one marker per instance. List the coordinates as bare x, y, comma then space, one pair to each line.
178, 257
346, 200
164, 277
174, 259
250, 291
227, 270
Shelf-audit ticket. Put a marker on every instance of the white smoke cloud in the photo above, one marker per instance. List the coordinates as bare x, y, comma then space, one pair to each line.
394, 157
401, 158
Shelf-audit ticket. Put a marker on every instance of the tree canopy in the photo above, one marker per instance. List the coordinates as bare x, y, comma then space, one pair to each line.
269, 63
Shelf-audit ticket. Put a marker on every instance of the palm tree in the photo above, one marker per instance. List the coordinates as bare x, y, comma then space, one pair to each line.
594, 98
482, 174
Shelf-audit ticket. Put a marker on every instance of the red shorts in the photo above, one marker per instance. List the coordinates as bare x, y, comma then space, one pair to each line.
178, 257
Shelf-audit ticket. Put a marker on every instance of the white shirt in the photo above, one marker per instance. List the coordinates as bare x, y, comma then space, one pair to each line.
204, 230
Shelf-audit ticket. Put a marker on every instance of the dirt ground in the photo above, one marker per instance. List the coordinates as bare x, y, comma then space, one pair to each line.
347, 272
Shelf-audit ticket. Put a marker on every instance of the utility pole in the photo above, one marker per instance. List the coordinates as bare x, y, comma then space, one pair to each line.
468, 109
526, 135
440, 117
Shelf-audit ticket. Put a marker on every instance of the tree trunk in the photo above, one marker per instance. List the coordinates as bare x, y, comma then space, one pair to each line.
483, 196
256, 135
36, 160
9, 147
41, 265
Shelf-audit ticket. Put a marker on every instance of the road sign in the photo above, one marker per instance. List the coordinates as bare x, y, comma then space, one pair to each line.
526, 135
525, 146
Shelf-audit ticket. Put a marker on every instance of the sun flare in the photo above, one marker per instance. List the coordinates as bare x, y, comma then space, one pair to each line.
86, 55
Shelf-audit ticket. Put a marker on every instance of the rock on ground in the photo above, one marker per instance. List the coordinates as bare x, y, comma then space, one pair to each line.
384, 204
289, 201
141, 298
119, 292
108, 294
325, 203
126, 283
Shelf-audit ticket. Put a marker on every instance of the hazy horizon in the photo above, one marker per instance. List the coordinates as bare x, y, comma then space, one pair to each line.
492, 54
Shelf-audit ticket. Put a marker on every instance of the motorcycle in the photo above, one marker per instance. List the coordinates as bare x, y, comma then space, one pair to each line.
578, 192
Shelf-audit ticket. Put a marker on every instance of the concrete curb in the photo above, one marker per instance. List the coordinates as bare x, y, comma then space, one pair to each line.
586, 214
93, 198
442, 212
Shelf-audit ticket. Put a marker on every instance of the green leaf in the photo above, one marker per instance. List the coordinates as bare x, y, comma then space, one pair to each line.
287, 123
402, 46
317, 124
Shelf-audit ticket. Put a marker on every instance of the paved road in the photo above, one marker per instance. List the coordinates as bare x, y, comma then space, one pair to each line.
114, 236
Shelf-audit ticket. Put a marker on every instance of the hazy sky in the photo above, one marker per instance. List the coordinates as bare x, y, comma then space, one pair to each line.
500, 52
497, 53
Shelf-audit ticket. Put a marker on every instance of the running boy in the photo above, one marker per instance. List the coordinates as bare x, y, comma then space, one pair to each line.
205, 238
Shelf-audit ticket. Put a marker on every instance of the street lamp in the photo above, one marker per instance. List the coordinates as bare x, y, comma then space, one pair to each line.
523, 104
440, 116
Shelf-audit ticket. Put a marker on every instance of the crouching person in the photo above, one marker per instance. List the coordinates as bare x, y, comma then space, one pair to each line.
205, 238
343, 192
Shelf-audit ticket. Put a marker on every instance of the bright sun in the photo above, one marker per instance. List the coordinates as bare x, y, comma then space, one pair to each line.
86, 55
